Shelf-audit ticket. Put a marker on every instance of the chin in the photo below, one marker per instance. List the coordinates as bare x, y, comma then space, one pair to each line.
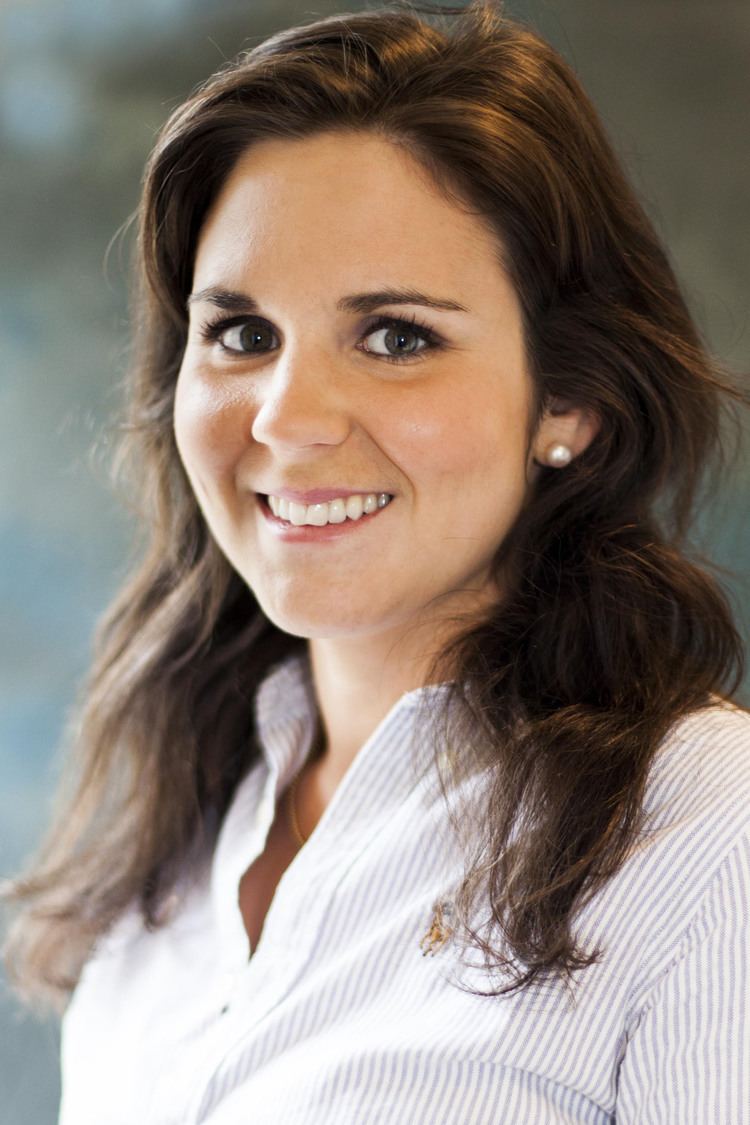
307, 622
325, 622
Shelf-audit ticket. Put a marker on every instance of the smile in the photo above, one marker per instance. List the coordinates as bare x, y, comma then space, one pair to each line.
333, 511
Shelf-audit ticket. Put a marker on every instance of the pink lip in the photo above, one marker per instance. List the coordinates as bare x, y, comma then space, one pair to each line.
320, 495
290, 533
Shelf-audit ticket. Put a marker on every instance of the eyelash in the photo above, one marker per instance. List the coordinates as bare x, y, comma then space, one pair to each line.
212, 333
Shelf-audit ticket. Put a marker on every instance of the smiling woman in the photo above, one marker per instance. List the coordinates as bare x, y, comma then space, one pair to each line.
415, 666
301, 396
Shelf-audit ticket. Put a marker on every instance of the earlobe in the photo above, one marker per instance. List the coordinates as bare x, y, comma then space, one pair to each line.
557, 455
563, 433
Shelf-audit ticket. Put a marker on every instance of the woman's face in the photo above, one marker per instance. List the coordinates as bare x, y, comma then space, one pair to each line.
287, 385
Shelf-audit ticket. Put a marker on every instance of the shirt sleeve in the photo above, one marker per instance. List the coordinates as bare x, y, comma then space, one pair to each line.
687, 1056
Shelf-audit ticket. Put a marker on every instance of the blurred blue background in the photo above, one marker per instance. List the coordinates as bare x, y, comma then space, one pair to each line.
84, 85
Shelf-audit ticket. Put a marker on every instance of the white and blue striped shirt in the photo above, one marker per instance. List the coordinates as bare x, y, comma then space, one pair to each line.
339, 1018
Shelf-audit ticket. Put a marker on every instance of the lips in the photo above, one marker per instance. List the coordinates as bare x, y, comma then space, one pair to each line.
295, 532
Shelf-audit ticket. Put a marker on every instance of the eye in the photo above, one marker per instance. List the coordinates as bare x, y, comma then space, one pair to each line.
395, 331
243, 336
238, 334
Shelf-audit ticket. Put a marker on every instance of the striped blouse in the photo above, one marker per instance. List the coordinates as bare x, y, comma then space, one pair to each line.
353, 1010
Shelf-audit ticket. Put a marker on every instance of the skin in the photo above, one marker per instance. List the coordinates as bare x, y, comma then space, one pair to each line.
298, 225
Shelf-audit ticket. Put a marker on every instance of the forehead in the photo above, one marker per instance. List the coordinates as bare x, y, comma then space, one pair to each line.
324, 205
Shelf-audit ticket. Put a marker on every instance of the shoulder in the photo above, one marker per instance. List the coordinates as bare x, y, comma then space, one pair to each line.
719, 716
694, 836
701, 771
697, 801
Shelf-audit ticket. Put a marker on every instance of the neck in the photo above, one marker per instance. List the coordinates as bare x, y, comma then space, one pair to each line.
357, 681
357, 678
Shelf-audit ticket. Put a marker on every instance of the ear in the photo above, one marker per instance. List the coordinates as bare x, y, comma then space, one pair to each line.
563, 423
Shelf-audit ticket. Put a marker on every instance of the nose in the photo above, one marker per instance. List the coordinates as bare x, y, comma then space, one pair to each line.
300, 403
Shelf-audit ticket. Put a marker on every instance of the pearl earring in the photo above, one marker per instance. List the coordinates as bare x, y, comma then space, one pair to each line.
558, 455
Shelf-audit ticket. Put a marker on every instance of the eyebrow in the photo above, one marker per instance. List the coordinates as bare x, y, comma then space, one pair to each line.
233, 301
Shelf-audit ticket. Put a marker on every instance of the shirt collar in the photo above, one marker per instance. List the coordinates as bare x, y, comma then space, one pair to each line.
378, 780
286, 711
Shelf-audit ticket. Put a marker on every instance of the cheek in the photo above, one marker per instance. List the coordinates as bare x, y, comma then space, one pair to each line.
450, 438
210, 426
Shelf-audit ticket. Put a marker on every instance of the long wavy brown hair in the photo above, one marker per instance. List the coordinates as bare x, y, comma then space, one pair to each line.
607, 634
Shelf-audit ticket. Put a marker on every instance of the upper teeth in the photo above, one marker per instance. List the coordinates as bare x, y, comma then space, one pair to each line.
335, 511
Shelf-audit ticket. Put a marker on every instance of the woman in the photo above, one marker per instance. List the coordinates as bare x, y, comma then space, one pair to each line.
410, 786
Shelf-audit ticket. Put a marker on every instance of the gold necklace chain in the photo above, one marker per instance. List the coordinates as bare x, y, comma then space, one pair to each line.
315, 752
299, 838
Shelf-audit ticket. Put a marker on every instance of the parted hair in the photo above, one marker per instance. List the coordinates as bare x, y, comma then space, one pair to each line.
609, 629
